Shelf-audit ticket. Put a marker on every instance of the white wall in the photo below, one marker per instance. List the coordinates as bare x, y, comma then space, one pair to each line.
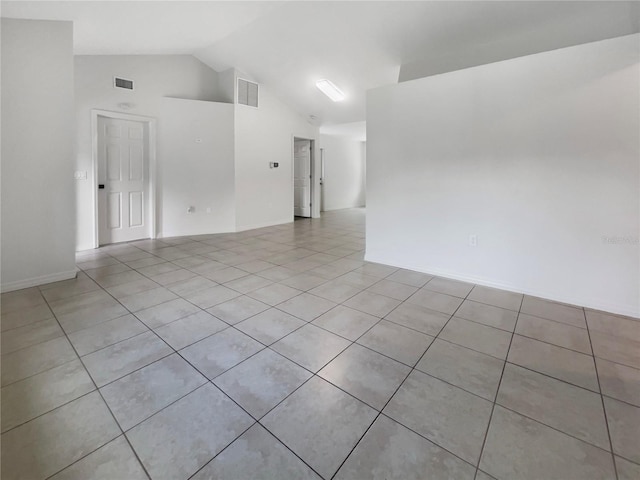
538, 156
264, 196
195, 167
155, 77
37, 153
344, 172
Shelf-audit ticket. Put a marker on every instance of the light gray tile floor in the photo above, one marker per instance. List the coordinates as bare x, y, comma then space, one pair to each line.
281, 353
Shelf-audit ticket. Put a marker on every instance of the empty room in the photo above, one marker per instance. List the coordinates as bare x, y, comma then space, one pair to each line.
320, 240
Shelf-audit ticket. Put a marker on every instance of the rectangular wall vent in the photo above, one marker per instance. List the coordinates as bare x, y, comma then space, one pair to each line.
247, 93
122, 83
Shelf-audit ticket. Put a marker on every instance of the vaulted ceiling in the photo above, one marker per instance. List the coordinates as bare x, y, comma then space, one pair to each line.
359, 45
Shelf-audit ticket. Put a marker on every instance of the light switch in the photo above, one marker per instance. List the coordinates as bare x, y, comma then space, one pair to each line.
79, 175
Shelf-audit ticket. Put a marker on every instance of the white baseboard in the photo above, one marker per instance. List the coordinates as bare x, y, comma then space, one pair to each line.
610, 307
36, 281
344, 207
243, 228
194, 232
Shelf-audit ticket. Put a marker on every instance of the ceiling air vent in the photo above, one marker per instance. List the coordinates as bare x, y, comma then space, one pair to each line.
247, 93
122, 83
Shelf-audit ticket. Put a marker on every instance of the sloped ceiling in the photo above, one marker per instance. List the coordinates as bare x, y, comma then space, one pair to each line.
287, 46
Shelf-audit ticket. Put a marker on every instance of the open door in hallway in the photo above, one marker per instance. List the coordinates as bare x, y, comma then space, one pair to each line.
302, 178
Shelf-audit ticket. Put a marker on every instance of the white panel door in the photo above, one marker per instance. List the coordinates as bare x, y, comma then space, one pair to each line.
123, 206
302, 178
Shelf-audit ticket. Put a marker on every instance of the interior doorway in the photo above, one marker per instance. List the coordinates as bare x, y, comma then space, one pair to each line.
303, 149
124, 161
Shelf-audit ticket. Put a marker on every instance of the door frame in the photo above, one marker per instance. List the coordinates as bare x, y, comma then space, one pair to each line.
151, 149
312, 163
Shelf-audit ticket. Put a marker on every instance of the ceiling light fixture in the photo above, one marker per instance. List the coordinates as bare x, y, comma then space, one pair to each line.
330, 90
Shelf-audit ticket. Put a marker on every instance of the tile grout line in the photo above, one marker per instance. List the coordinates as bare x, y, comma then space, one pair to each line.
380, 412
494, 403
105, 404
318, 250
604, 409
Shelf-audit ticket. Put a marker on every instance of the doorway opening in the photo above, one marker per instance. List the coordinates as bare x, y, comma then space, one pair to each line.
123, 177
303, 162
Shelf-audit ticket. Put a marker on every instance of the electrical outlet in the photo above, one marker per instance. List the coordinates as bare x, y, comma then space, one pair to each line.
191, 209
473, 240
208, 209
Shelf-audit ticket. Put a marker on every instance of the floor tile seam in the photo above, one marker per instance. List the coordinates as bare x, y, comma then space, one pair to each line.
549, 343
129, 269
346, 284
300, 294
408, 301
368, 289
137, 369
203, 385
36, 374
146, 276
9, 312
493, 406
182, 318
96, 324
275, 341
102, 446
343, 390
195, 291
226, 327
63, 302
210, 381
557, 429
616, 336
342, 336
444, 325
604, 408
437, 336
27, 324
635, 462
75, 294
426, 287
113, 417
458, 387
517, 312
82, 269
191, 476
286, 396
215, 377
302, 366
484, 324
552, 377
626, 402
289, 395
558, 322
33, 344
197, 387
31, 419
407, 327
111, 344
158, 304
430, 440
253, 289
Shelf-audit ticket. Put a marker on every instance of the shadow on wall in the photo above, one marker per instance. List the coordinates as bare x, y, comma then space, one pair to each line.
344, 176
